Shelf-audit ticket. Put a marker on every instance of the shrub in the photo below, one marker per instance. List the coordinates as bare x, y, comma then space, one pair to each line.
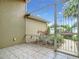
48, 30
50, 39
74, 37
59, 38
68, 36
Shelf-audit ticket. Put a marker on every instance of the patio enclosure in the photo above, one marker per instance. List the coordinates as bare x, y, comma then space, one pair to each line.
64, 37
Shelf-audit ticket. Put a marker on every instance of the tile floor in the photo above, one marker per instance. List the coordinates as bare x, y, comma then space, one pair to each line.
31, 51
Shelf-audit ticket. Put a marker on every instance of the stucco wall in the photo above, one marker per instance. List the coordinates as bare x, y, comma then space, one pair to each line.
12, 23
32, 28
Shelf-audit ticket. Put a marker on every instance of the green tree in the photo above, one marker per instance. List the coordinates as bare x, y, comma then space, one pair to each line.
71, 8
48, 30
67, 28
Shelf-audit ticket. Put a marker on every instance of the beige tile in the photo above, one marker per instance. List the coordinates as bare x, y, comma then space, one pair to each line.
31, 51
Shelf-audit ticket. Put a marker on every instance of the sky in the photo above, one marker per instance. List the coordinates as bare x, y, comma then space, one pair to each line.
47, 13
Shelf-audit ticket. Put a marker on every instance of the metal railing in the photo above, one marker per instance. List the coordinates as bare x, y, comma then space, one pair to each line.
69, 45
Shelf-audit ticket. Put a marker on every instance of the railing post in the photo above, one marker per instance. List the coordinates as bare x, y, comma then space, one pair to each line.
55, 25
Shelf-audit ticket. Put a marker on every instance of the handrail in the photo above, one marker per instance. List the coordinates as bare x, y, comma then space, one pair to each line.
68, 33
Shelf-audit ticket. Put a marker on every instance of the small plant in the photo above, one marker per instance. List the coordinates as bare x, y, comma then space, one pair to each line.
59, 38
74, 37
48, 30
68, 36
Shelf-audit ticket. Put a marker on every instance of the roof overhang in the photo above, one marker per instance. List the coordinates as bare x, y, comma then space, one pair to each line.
28, 16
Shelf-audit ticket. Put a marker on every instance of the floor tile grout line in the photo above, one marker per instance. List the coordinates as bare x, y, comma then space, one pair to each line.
35, 51
16, 48
13, 54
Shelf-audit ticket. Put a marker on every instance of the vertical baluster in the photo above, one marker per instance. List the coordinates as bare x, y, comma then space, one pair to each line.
68, 20
64, 33
74, 38
71, 35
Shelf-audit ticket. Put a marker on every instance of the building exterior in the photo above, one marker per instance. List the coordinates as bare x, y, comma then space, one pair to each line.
12, 23
34, 25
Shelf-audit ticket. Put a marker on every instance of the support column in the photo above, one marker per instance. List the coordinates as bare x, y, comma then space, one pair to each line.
55, 25
78, 29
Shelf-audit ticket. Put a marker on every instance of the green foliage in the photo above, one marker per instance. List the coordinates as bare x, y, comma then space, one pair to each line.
59, 38
48, 30
74, 37
68, 28
51, 37
68, 37
71, 8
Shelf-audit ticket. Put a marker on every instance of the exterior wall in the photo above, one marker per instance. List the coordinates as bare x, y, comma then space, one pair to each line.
32, 28
12, 23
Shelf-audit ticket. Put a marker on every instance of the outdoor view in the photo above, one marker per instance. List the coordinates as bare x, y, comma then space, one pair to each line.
62, 23
39, 29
